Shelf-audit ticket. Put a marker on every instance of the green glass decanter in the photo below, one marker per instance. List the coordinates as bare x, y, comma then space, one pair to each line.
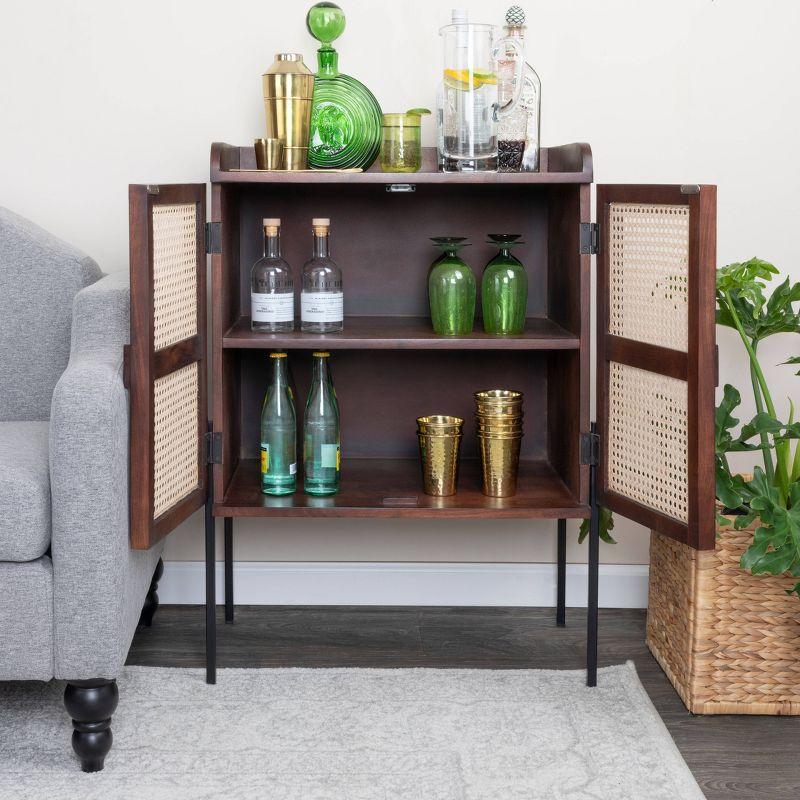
345, 116
451, 289
504, 288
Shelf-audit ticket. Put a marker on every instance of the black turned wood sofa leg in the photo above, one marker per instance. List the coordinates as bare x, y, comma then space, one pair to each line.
91, 704
151, 600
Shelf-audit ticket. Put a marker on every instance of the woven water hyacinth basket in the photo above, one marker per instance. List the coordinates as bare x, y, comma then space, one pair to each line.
728, 641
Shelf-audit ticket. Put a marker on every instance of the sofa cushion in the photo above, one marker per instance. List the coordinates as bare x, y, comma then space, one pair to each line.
24, 490
26, 622
39, 278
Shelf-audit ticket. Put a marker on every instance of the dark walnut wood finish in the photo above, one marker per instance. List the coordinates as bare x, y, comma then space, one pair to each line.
697, 366
388, 365
144, 365
373, 487
571, 163
402, 333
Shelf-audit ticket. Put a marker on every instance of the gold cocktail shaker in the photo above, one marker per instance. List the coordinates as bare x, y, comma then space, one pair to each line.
288, 90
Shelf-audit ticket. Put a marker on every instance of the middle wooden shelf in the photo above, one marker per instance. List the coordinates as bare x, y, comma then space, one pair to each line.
401, 333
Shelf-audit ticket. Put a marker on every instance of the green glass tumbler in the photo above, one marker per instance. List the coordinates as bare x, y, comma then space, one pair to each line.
401, 141
504, 289
451, 290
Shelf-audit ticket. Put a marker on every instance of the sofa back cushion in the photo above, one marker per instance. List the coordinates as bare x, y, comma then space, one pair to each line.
39, 278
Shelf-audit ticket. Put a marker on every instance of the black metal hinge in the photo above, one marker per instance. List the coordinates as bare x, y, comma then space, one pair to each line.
590, 448
213, 447
590, 238
213, 237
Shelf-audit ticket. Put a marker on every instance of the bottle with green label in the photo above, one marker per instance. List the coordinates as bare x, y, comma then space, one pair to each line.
278, 432
321, 444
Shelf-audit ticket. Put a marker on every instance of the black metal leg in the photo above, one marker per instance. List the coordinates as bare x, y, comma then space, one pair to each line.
229, 569
594, 559
151, 600
561, 587
211, 594
91, 704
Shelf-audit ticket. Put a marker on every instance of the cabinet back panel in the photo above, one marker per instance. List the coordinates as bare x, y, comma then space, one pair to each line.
382, 393
380, 239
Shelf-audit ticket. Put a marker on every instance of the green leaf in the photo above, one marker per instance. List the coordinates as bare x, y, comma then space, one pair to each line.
726, 490
724, 420
794, 360
605, 523
794, 590
761, 423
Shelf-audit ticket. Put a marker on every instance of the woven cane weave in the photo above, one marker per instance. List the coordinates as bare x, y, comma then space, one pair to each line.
647, 439
174, 273
175, 438
649, 273
728, 641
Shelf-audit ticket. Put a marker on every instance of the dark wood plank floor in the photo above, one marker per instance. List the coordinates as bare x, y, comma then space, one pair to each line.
733, 758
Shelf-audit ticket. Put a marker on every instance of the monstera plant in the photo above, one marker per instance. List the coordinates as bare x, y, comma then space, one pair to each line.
772, 495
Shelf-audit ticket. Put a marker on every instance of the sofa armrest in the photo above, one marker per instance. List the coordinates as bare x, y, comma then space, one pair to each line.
99, 583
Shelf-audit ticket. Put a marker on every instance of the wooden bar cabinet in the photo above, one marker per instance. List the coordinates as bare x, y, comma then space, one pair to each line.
655, 348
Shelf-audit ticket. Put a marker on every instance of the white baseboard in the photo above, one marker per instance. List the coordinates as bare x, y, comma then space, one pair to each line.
404, 584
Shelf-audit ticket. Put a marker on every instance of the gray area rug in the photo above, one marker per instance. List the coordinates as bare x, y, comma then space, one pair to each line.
352, 734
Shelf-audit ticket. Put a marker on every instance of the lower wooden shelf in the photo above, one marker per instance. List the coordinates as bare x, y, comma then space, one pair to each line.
373, 487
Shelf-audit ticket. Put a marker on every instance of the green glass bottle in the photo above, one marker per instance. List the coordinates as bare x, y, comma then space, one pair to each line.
278, 432
345, 130
504, 288
451, 289
321, 442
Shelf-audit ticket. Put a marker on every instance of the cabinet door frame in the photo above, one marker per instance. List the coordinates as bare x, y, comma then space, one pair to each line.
145, 364
696, 366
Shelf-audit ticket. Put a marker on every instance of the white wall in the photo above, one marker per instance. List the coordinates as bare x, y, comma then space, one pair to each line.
97, 94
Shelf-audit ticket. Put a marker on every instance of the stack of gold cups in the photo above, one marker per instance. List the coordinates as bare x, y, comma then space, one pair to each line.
499, 427
439, 447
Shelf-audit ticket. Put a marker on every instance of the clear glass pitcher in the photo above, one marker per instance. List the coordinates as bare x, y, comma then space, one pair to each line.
468, 105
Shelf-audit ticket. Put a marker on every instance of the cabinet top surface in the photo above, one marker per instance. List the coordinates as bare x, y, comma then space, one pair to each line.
569, 163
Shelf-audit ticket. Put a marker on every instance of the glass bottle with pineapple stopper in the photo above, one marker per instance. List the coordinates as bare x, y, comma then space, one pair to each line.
504, 288
518, 133
451, 289
345, 116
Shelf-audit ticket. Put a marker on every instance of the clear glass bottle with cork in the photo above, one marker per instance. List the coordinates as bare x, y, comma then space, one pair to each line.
321, 298
271, 286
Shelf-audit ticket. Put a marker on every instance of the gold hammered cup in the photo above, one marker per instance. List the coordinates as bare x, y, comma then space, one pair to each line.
498, 422
439, 448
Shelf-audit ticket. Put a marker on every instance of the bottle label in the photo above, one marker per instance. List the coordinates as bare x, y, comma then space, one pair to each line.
272, 307
321, 306
264, 459
330, 456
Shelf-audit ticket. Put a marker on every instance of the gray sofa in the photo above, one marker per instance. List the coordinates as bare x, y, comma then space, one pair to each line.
71, 589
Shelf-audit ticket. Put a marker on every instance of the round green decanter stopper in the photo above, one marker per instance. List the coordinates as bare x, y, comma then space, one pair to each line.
504, 288
325, 22
345, 130
451, 289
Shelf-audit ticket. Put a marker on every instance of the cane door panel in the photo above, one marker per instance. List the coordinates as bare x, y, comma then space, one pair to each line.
166, 360
656, 357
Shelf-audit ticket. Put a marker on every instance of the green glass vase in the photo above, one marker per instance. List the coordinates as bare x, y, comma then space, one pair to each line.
504, 289
451, 289
345, 130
